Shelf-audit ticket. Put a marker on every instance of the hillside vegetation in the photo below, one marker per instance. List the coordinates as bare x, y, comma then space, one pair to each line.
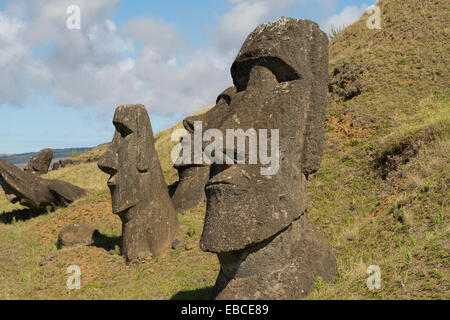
380, 197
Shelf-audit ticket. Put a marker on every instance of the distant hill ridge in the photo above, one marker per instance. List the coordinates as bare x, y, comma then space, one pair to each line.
23, 158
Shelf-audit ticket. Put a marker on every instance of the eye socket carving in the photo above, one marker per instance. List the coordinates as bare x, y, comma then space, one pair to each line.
240, 70
122, 129
225, 97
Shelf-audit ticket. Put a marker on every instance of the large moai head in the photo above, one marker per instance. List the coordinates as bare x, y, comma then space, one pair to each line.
280, 83
130, 158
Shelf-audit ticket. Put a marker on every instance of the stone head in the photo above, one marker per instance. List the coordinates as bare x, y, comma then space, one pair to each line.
130, 158
280, 83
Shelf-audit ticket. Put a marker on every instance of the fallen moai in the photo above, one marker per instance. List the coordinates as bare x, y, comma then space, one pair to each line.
34, 192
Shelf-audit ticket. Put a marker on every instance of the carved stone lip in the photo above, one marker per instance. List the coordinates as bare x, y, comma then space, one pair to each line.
111, 182
11, 197
14, 200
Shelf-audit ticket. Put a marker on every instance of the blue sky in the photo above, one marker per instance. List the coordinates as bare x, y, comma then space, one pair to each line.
59, 87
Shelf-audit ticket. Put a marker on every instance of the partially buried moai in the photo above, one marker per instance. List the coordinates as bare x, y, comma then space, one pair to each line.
256, 219
193, 176
138, 189
40, 163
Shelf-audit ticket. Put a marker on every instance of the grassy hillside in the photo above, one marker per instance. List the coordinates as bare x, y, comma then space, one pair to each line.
380, 197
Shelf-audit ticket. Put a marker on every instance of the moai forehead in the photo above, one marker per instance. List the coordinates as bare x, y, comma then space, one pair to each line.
134, 120
291, 48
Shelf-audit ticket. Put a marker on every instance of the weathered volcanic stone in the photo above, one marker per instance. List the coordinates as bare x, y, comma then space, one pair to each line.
40, 163
77, 234
257, 224
285, 266
190, 191
34, 192
138, 190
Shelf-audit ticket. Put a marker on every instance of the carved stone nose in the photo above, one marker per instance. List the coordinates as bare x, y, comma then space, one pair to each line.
189, 125
108, 163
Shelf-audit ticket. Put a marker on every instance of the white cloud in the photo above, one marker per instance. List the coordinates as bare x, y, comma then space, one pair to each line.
347, 16
13, 56
111, 25
172, 62
163, 38
126, 65
243, 17
84, 67
101, 65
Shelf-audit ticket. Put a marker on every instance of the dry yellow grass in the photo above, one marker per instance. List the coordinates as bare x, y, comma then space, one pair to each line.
86, 176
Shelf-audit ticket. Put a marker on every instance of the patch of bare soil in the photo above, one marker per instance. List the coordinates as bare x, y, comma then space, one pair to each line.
388, 162
344, 81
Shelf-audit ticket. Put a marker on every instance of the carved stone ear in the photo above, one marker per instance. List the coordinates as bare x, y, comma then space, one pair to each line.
314, 141
315, 133
144, 141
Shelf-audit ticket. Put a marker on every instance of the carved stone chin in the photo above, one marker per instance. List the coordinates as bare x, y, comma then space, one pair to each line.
138, 190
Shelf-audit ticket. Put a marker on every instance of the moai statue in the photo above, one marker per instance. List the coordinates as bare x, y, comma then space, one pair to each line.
190, 191
256, 216
193, 177
40, 163
138, 190
34, 192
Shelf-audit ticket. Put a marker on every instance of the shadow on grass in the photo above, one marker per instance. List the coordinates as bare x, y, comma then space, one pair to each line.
106, 242
20, 215
198, 294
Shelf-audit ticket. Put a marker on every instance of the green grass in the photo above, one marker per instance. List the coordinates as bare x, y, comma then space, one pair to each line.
335, 30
